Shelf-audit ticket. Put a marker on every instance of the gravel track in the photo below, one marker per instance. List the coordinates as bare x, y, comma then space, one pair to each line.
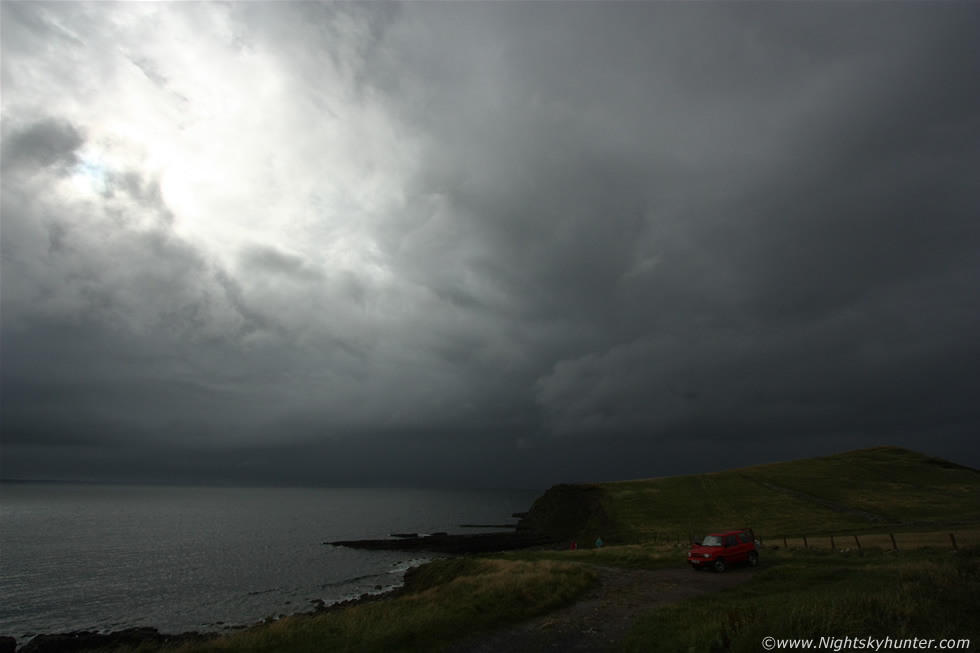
603, 617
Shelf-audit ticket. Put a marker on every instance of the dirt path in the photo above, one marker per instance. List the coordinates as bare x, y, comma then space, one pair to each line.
604, 616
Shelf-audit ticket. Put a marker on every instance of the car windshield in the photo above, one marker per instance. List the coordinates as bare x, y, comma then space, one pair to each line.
712, 540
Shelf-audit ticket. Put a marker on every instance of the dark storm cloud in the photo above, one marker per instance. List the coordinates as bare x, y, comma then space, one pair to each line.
744, 228
625, 236
44, 143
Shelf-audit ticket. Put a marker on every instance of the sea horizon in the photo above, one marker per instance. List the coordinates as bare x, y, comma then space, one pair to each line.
109, 556
270, 485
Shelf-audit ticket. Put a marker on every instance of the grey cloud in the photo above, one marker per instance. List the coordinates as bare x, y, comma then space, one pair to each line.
266, 259
631, 238
849, 371
122, 265
47, 142
148, 68
757, 205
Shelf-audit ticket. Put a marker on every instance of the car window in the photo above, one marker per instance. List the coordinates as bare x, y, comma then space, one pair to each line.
712, 540
744, 537
730, 541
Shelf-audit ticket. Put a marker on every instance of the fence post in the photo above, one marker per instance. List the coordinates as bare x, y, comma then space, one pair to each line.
785, 546
894, 545
805, 545
832, 545
858, 542
952, 539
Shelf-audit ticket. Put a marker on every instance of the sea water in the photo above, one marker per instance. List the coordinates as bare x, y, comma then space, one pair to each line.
107, 557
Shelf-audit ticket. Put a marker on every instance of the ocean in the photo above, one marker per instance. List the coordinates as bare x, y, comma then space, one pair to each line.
108, 557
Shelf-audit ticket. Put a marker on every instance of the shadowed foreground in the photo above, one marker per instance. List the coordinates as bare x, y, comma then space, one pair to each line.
603, 618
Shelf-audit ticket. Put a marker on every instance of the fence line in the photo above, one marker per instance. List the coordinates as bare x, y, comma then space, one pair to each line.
911, 539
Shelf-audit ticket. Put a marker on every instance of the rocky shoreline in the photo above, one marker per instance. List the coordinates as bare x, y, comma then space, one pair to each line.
561, 509
86, 640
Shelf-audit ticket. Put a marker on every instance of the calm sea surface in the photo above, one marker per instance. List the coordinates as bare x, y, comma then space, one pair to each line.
189, 558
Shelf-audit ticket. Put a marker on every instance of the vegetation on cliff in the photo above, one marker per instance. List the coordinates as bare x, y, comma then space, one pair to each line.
881, 489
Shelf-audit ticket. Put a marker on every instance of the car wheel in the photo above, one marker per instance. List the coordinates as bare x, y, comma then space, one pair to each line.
753, 558
719, 565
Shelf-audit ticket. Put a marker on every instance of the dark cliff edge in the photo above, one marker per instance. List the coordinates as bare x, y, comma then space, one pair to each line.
568, 511
562, 513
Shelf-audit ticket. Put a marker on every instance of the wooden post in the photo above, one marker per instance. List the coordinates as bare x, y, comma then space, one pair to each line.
894, 545
785, 546
805, 545
858, 542
952, 538
832, 545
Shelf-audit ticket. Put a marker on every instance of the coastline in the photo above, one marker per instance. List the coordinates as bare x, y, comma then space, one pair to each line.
444, 543
85, 640
211, 560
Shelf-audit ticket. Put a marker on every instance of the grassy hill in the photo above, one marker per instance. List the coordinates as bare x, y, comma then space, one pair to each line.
870, 490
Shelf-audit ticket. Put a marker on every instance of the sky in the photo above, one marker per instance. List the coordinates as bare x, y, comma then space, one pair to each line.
484, 244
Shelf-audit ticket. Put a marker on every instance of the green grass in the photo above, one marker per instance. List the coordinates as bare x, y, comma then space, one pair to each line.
628, 556
894, 483
814, 594
442, 601
883, 489
696, 505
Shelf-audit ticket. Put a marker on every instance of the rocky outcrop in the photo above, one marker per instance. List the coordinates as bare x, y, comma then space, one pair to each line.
567, 511
562, 513
456, 544
84, 640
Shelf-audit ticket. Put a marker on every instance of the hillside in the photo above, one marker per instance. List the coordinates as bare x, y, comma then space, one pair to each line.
869, 490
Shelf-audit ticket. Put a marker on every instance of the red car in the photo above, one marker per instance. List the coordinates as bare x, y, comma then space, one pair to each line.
719, 550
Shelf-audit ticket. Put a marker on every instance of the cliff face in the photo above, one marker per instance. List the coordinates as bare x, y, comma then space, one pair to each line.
567, 512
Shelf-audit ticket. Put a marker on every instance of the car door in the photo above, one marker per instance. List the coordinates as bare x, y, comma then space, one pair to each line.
733, 549
746, 544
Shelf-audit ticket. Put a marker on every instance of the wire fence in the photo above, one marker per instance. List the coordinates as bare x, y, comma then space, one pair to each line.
940, 539
952, 539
